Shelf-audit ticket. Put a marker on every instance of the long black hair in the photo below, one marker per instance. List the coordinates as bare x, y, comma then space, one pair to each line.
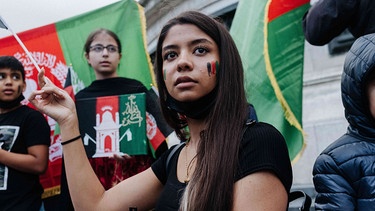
211, 186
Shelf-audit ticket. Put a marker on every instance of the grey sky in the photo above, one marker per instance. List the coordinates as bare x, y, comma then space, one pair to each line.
22, 15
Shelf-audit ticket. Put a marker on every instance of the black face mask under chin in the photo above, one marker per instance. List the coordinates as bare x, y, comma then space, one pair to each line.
198, 109
11, 104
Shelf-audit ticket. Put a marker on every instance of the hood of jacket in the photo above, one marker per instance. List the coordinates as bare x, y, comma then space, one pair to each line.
359, 62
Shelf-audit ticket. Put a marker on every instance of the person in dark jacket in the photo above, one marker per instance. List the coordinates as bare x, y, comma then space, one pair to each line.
327, 19
344, 173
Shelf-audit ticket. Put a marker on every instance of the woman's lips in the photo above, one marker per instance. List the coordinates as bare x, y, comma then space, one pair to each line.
184, 80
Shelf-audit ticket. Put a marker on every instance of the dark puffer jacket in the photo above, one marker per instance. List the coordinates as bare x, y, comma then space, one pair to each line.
344, 173
327, 19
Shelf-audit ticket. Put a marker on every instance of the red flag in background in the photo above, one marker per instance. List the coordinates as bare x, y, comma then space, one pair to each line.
53, 61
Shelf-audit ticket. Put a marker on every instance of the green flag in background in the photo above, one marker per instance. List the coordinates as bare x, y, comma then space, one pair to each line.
269, 37
126, 18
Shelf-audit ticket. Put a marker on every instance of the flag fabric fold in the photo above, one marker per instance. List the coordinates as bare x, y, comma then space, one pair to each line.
55, 45
270, 40
68, 85
157, 129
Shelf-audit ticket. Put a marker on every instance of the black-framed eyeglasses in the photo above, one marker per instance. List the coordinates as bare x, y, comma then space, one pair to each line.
100, 48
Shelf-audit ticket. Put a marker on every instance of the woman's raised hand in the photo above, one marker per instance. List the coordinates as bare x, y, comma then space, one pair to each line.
53, 101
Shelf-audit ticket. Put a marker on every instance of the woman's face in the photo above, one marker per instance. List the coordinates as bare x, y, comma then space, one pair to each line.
104, 60
190, 61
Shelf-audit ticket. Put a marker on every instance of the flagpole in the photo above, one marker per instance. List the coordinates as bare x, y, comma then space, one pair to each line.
21, 43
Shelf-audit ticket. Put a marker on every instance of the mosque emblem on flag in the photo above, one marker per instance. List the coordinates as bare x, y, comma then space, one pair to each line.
113, 125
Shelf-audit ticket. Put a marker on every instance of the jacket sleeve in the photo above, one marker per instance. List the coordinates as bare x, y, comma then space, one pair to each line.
334, 192
327, 19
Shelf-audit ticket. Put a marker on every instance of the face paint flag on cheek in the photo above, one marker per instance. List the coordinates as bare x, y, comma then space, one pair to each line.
216, 68
209, 69
19, 90
212, 67
164, 74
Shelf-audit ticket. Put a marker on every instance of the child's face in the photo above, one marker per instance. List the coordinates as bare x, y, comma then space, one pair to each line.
104, 62
371, 97
190, 60
11, 84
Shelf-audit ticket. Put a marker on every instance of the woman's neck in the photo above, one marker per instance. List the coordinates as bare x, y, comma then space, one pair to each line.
196, 126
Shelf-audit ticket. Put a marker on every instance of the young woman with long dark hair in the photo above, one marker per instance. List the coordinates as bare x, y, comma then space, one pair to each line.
227, 162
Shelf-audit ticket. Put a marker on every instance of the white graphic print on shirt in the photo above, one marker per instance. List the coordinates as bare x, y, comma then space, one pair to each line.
8, 135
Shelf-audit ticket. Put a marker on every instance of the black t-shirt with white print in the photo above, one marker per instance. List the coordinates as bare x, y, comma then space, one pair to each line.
19, 129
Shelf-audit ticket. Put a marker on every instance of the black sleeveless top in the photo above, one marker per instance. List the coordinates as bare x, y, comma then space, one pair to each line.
263, 148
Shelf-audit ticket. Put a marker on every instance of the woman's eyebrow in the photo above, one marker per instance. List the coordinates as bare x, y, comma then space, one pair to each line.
168, 47
193, 42
198, 41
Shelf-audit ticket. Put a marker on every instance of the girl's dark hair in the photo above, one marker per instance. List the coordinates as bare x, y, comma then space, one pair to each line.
211, 187
93, 34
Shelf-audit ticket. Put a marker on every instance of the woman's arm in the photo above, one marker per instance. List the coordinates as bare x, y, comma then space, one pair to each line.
260, 191
86, 191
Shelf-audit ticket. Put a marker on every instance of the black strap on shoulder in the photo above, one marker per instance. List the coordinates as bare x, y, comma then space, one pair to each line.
248, 123
173, 151
306, 199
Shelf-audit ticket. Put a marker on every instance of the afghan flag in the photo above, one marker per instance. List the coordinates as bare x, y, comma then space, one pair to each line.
270, 39
59, 45
113, 125
68, 86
